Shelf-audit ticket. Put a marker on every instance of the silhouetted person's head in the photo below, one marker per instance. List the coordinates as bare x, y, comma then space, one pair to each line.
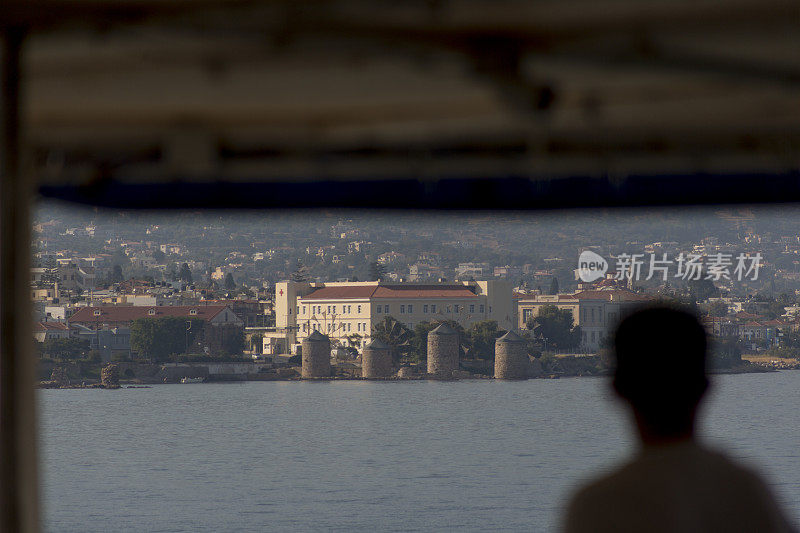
660, 370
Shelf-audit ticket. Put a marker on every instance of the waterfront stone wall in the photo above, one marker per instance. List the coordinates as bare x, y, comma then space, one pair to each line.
376, 361
316, 356
511, 357
442, 352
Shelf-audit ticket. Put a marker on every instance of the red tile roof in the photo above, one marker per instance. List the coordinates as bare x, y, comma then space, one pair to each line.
423, 291
336, 293
127, 313
391, 291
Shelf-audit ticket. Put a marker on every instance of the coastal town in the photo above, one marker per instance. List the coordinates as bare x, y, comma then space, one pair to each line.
225, 299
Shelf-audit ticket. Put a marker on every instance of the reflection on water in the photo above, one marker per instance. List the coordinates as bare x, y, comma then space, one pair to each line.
362, 456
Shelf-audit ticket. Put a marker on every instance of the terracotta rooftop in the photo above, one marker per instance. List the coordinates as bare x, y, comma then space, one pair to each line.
391, 291
423, 291
335, 293
127, 313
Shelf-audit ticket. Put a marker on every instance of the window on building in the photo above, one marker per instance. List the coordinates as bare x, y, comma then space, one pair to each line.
482, 308
378, 309
304, 328
433, 308
386, 308
424, 308
471, 308
448, 309
358, 308
402, 308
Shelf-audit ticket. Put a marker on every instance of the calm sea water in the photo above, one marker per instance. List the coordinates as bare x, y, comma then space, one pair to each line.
359, 456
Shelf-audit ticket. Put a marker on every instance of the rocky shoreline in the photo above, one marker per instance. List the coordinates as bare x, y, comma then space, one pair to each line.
144, 376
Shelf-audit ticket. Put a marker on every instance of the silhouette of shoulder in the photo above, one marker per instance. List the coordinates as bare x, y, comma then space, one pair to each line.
681, 487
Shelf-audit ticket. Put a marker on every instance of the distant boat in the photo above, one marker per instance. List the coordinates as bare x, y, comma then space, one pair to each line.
192, 380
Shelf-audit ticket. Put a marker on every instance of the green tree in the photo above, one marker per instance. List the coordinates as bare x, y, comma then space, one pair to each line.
718, 309
64, 349
256, 342
353, 339
775, 309
702, 289
300, 273
419, 341
556, 327
160, 338
116, 274
224, 339
185, 273
229, 283
395, 334
376, 271
725, 353
553, 286
159, 256
481, 337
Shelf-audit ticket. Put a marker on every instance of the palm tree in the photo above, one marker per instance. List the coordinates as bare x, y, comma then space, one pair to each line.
395, 334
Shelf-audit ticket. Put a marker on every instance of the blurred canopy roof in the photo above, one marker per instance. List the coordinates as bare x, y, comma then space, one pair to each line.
442, 103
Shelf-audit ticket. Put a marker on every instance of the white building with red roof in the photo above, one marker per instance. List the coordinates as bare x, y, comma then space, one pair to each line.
349, 310
596, 311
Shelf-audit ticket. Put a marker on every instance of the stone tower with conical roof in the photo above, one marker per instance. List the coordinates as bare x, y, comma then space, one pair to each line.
443, 345
376, 361
316, 357
510, 357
